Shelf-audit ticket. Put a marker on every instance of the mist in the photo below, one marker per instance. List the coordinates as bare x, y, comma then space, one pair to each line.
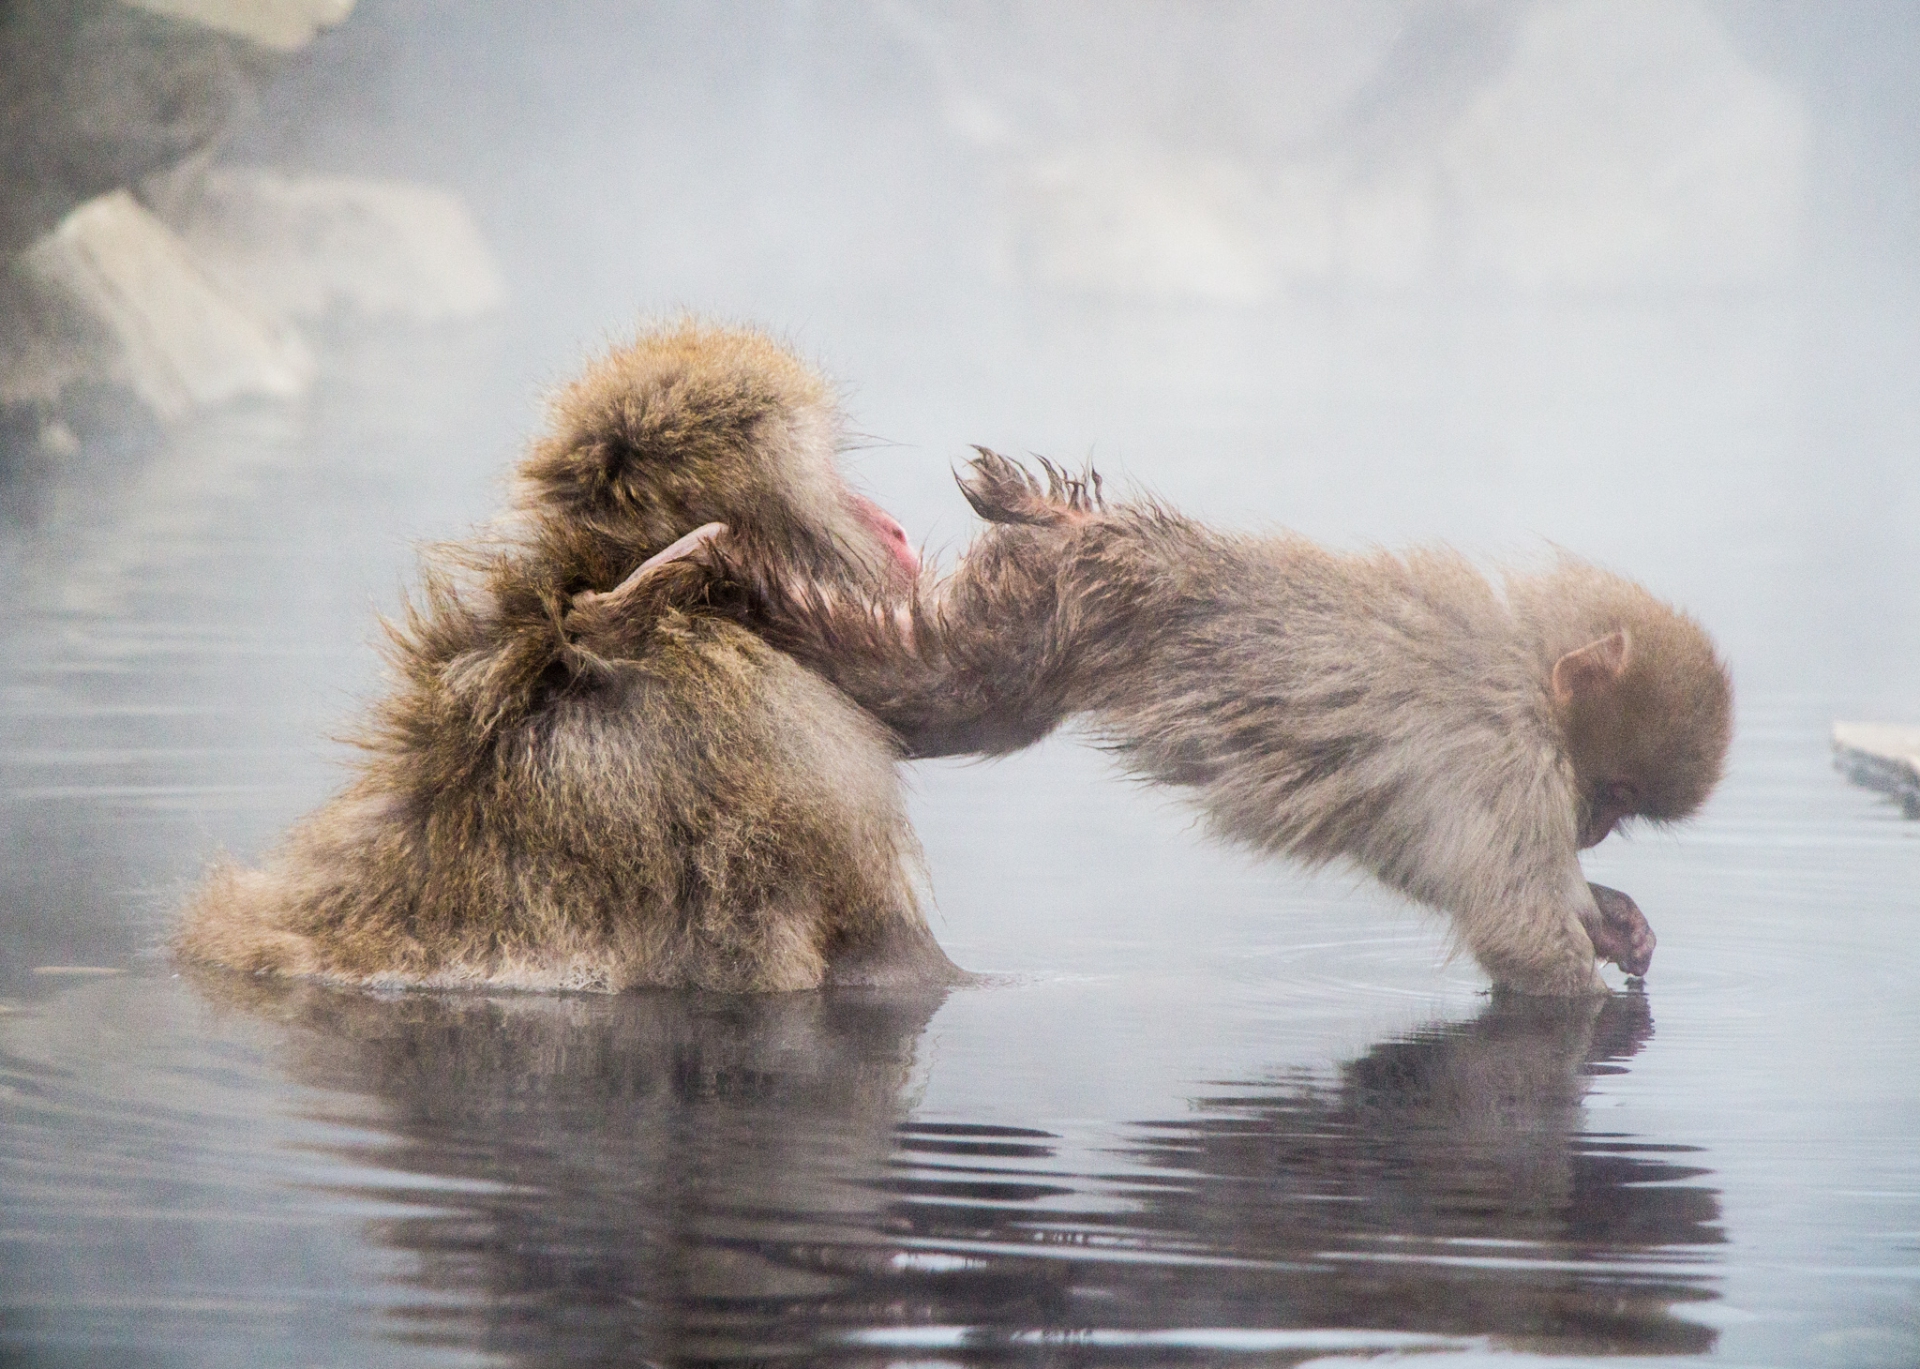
1637, 279
1631, 279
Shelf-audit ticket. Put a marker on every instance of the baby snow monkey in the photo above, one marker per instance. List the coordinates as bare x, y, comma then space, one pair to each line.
1400, 712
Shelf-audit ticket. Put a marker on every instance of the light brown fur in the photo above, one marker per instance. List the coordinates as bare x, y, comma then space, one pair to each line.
573, 786
1397, 711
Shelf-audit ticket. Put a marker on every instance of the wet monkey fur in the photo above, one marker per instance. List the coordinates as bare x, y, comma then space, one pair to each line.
1460, 741
587, 773
645, 733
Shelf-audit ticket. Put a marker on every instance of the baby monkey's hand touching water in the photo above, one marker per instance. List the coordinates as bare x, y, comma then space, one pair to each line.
1619, 930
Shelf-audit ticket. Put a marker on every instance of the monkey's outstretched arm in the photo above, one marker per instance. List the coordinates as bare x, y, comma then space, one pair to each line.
978, 662
1050, 611
964, 665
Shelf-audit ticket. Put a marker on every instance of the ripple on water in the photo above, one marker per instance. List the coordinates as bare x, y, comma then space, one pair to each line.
710, 1177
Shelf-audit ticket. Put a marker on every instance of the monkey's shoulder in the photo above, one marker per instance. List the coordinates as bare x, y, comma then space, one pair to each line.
704, 675
707, 722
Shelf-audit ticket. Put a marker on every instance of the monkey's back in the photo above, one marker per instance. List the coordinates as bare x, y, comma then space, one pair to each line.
1372, 708
661, 822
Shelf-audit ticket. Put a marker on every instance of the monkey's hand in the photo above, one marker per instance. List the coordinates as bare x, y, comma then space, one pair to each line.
1619, 930
1003, 491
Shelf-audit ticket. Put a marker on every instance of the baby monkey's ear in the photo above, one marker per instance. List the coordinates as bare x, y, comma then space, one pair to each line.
1585, 672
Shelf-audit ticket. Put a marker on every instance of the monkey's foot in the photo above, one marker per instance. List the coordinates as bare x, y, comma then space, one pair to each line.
1003, 491
1619, 930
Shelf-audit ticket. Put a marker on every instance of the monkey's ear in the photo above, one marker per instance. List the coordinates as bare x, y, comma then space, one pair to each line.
678, 551
1591, 668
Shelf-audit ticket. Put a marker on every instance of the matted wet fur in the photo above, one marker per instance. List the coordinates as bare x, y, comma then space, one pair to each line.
1460, 740
581, 780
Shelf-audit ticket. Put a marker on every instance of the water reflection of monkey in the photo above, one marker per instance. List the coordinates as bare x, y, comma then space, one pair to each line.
1444, 1184
680, 1177
637, 1175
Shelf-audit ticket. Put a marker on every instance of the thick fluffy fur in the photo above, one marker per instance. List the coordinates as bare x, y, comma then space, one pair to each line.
1391, 710
572, 788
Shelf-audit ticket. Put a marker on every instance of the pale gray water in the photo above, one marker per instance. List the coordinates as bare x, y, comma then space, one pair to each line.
1212, 1111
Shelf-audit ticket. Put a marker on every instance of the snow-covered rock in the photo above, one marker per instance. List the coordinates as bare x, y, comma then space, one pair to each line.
304, 246
141, 311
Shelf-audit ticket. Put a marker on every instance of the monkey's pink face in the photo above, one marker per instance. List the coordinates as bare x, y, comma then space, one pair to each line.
905, 561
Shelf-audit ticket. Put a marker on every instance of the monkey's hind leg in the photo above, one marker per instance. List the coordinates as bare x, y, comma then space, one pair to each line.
231, 922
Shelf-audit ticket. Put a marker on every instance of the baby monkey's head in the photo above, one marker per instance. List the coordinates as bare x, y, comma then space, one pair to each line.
1643, 703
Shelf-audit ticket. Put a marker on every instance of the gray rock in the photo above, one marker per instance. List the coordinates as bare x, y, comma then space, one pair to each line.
115, 297
304, 247
95, 94
1881, 756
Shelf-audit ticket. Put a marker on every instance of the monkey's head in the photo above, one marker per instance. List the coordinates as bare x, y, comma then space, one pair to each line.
1643, 703
690, 425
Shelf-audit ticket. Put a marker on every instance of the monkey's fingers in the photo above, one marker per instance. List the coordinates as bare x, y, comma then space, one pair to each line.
1620, 931
1003, 491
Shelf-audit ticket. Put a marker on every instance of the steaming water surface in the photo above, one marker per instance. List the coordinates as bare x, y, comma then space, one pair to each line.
1206, 1109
